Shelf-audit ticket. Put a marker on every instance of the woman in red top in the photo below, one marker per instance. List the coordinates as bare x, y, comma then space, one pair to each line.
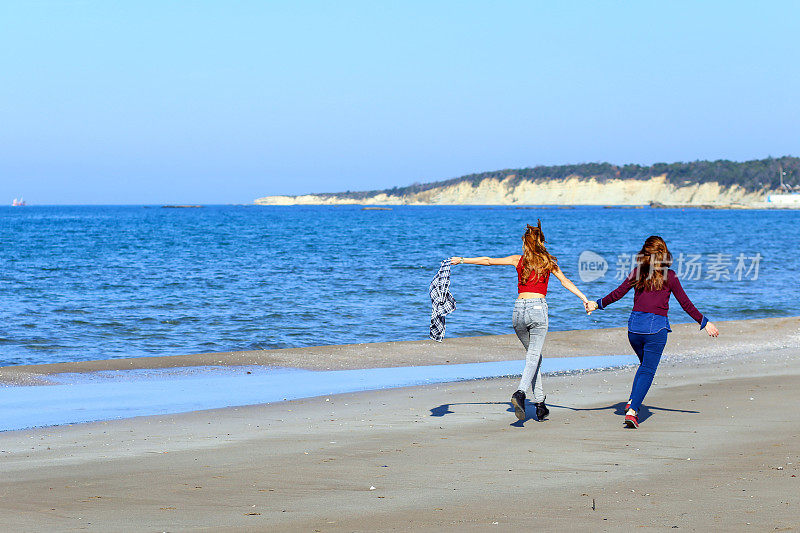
530, 318
648, 325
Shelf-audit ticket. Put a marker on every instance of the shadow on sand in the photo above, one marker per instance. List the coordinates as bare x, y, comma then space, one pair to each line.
444, 409
619, 409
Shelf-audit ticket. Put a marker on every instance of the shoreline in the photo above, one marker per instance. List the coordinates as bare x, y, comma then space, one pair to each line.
742, 336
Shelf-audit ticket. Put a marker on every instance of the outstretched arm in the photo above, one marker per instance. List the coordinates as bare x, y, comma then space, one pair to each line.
486, 261
565, 281
688, 306
613, 296
617, 293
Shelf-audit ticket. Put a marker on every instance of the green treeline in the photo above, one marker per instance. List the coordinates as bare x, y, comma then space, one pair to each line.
757, 175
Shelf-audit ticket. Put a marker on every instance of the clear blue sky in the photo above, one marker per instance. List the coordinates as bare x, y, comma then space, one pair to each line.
223, 102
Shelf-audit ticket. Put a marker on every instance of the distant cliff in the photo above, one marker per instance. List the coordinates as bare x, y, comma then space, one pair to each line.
696, 183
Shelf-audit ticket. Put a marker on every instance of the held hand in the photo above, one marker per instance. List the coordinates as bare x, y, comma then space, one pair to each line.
456, 260
589, 306
712, 330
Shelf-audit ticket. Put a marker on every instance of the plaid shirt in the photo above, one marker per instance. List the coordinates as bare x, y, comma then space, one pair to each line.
442, 302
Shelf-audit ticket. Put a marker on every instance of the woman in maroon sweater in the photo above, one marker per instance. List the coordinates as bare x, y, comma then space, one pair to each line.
648, 325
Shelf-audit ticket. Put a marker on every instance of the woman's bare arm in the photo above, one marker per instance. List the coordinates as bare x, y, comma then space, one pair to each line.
569, 285
486, 261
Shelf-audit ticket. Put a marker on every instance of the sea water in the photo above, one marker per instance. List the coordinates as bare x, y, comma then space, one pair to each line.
102, 282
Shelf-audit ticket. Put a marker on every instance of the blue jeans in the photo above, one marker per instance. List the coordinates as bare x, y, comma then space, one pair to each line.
648, 348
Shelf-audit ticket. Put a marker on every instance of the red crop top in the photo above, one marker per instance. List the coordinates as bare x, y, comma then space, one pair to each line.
536, 283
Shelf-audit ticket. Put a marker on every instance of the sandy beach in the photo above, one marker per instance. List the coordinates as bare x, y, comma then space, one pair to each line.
718, 447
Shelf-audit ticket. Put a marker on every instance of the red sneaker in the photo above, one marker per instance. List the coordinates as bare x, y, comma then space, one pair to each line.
631, 421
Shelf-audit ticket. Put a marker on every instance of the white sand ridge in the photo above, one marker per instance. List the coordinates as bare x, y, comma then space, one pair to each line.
574, 190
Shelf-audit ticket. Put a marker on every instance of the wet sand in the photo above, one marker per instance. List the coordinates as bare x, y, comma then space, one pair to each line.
742, 336
718, 448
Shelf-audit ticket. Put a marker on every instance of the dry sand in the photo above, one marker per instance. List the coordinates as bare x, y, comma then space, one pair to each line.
718, 449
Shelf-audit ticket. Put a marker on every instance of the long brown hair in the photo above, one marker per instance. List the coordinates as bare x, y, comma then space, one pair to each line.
652, 264
535, 257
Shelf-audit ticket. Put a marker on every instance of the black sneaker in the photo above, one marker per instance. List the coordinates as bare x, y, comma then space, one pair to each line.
518, 401
541, 411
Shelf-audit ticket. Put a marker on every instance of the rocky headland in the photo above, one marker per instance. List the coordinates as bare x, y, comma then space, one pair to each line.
702, 183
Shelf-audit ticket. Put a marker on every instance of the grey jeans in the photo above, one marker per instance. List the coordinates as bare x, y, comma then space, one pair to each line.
530, 323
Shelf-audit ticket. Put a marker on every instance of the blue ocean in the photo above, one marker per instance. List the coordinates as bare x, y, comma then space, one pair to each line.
102, 282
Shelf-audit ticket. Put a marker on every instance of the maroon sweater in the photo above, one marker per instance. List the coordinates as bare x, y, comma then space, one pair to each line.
656, 302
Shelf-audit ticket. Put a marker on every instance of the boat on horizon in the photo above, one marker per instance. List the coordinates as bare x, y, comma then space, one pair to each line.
18, 202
